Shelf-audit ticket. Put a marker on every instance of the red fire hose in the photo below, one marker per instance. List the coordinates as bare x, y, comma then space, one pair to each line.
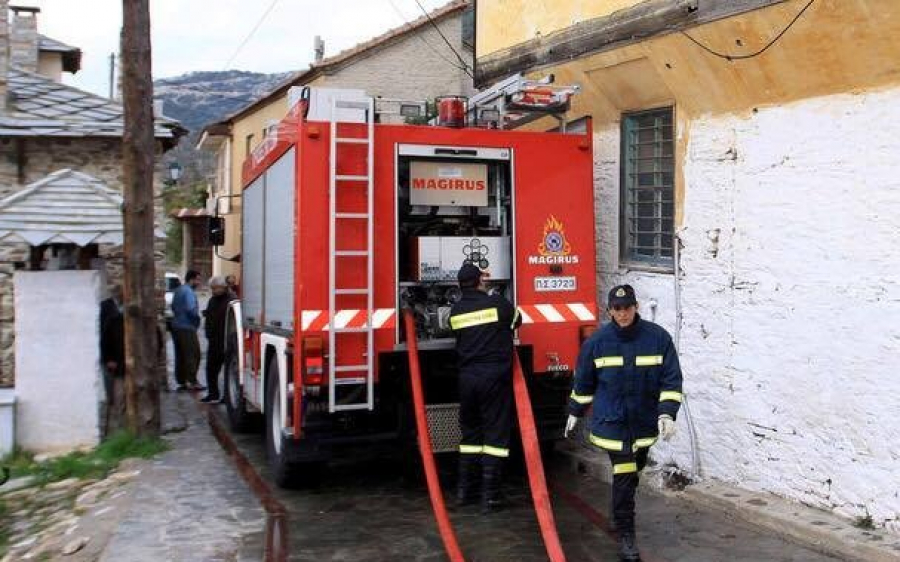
536, 479
434, 486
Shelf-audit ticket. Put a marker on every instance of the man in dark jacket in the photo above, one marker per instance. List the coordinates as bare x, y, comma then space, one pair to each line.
483, 325
112, 352
629, 370
216, 312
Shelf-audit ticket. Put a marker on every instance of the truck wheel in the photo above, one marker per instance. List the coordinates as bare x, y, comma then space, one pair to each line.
284, 473
239, 418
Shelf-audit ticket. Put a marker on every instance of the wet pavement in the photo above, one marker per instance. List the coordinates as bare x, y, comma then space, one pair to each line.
372, 512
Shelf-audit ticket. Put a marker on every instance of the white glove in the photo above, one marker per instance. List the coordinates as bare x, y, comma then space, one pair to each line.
570, 425
666, 427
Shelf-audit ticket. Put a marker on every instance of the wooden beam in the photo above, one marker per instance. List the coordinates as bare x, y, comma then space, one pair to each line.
643, 21
138, 155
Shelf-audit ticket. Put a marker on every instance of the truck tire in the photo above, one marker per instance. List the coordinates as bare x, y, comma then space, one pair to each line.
240, 420
285, 474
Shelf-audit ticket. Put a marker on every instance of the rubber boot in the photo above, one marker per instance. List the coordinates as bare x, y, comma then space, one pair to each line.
491, 494
628, 550
467, 482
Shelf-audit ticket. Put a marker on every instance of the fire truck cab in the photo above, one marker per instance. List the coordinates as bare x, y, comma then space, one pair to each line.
348, 220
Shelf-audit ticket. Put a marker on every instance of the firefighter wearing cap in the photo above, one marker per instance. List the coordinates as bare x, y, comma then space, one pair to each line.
629, 371
483, 325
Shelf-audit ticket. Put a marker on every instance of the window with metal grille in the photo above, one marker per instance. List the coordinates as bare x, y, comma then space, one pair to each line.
648, 188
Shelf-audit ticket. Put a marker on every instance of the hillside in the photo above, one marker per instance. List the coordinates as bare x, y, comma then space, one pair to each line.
199, 98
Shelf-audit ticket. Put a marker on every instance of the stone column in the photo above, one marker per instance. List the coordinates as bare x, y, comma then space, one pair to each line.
4, 53
24, 38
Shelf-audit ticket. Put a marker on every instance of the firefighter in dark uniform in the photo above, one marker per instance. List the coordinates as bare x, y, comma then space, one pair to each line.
483, 325
629, 371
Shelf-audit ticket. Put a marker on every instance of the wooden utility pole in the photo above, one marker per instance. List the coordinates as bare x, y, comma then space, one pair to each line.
141, 382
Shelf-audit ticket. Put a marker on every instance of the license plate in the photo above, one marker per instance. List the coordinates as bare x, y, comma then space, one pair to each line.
545, 284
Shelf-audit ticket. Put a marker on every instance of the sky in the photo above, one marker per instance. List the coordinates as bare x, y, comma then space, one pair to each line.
191, 35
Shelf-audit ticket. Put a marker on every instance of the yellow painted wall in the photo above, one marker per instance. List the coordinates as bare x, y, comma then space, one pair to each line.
838, 46
253, 123
526, 19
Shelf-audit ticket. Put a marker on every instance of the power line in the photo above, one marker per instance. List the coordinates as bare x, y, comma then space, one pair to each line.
434, 49
250, 35
757, 53
444, 37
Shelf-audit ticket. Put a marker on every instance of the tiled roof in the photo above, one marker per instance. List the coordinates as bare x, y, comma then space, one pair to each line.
47, 44
71, 56
66, 207
41, 107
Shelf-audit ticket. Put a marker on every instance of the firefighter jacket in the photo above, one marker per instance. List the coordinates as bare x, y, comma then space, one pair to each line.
631, 376
483, 325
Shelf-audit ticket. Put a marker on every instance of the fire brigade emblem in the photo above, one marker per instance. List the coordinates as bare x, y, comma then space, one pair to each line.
554, 242
476, 254
620, 293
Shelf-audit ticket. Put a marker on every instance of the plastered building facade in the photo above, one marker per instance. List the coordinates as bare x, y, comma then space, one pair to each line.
783, 294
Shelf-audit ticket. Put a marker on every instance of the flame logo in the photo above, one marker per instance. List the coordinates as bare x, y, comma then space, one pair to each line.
554, 242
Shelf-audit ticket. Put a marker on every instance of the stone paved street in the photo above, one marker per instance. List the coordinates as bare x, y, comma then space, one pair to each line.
369, 512
190, 504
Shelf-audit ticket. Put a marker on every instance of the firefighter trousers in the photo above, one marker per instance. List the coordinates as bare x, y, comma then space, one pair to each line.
627, 468
485, 413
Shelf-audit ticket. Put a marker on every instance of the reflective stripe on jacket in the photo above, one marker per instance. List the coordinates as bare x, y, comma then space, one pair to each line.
631, 376
483, 325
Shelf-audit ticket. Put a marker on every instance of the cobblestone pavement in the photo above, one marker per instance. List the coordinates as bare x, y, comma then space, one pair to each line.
370, 512
190, 504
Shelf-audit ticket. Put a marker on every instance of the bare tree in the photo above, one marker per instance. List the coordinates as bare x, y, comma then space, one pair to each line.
141, 381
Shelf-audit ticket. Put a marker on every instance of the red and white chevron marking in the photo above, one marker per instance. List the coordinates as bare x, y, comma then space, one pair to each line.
570, 312
317, 320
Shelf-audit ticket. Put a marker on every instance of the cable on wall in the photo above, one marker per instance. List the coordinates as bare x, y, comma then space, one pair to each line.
757, 53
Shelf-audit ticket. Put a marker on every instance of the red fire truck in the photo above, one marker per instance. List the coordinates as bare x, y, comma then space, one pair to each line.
348, 221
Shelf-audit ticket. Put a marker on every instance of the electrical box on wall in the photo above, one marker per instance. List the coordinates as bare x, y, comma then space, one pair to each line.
438, 258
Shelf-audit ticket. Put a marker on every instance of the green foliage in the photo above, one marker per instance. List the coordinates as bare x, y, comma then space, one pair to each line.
4, 536
176, 197
20, 463
864, 523
96, 463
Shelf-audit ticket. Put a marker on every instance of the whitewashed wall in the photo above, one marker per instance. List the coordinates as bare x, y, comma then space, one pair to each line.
791, 298
58, 384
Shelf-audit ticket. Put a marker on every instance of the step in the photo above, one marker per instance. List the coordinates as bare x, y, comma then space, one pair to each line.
351, 291
351, 178
351, 215
351, 253
350, 369
346, 140
349, 407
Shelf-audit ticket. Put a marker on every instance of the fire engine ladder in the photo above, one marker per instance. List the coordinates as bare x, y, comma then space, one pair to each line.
350, 258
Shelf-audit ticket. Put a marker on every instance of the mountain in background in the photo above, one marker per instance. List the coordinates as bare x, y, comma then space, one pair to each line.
197, 99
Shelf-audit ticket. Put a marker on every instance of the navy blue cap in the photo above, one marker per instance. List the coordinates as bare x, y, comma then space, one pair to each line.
621, 295
469, 275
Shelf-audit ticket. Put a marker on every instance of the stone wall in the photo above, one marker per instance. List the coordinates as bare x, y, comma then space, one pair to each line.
790, 296
100, 158
427, 66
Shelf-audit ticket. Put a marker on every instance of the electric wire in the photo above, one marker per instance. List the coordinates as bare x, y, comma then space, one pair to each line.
444, 37
434, 49
760, 51
253, 31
